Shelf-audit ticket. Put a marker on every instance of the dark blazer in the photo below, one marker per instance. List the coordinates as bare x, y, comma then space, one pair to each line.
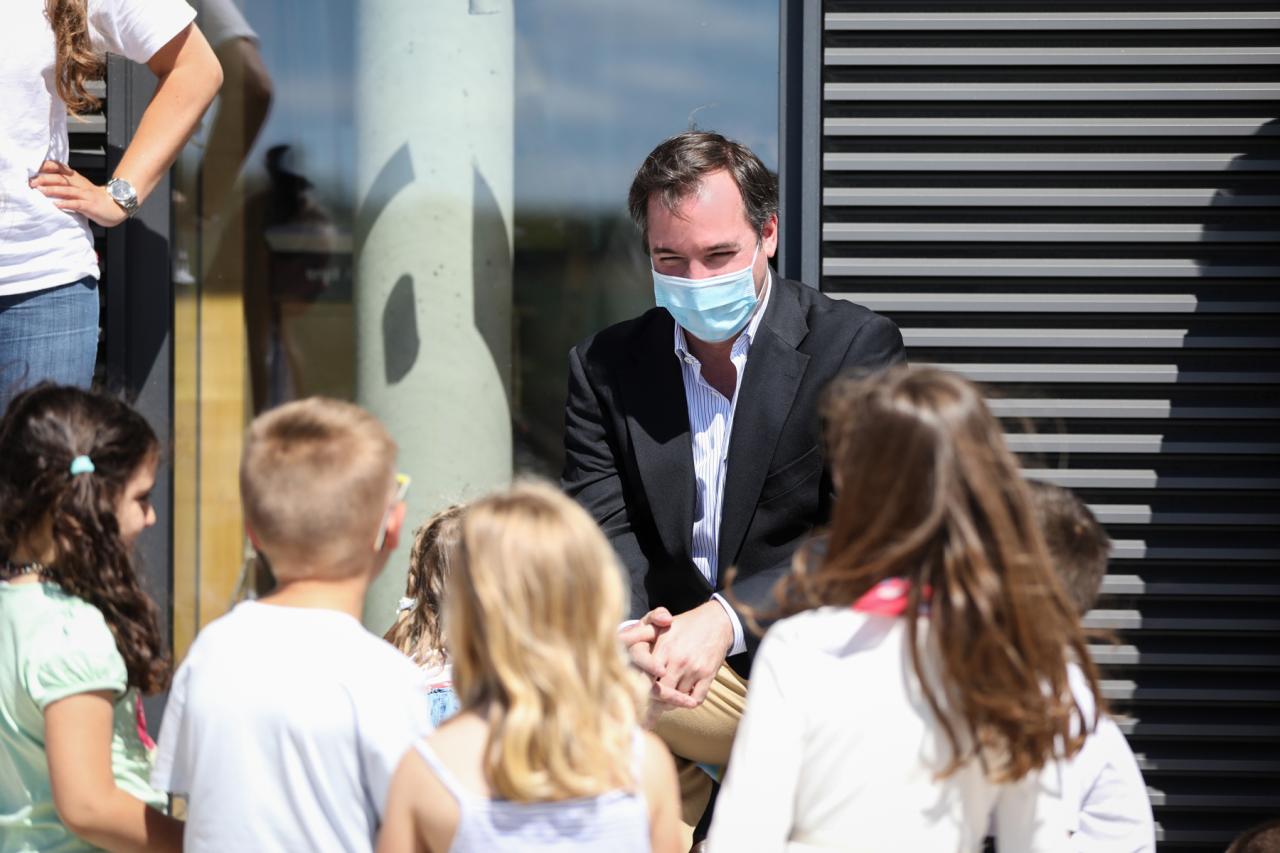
629, 455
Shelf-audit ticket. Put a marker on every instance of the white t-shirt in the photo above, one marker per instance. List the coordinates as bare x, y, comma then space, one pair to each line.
40, 245
838, 750
1108, 807
283, 729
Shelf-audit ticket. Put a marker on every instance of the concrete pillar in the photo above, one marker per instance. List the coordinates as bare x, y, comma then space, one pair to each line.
434, 109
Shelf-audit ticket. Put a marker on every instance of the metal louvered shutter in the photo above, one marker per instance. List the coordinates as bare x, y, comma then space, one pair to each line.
88, 137
1078, 203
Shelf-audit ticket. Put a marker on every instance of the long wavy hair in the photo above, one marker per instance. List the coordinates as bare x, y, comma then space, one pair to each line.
532, 617
419, 629
928, 491
44, 429
77, 60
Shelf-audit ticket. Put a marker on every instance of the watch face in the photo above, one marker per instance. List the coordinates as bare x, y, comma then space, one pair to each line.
122, 192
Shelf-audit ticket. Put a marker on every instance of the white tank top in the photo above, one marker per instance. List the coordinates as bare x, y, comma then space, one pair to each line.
617, 821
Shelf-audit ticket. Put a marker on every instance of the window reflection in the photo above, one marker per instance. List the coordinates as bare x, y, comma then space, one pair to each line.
269, 223
597, 86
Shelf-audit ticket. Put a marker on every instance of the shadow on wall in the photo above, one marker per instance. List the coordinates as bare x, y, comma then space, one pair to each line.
400, 340
491, 269
491, 266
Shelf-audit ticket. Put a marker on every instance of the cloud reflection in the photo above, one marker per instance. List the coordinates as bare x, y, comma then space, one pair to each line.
599, 84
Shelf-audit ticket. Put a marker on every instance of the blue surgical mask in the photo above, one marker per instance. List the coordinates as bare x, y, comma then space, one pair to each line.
711, 309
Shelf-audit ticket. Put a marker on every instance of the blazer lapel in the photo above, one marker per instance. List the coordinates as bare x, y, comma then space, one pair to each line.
774, 371
658, 423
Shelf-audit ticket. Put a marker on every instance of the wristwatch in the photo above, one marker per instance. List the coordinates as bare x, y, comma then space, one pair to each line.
123, 194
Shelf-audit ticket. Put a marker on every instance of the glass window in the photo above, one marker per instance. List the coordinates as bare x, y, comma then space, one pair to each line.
422, 207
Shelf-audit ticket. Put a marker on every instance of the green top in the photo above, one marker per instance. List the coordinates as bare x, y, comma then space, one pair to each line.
54, 645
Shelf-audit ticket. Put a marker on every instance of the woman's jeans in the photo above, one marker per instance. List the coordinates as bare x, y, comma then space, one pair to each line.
49, 335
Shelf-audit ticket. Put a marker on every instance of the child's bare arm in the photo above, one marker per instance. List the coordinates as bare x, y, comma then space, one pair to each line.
78, 749
399, 833
661, 792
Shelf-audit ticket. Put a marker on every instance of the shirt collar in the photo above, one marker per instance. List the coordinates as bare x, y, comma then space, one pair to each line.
746, 335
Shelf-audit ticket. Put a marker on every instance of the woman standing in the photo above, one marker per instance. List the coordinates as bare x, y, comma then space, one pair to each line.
48, 269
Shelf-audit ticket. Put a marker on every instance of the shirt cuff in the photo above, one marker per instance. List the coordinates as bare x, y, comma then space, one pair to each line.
739, 639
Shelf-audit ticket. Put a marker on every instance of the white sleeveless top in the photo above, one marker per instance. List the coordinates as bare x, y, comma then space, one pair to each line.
617, 821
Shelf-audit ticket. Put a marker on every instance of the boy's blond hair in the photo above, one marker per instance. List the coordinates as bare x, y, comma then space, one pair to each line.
533, 608
316, 477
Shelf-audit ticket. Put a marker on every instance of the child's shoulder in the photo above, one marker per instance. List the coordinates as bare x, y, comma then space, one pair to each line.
817, 628
256, 637
326, 647
230, 628
70, 649
63, 620
832, 636
374, 659
381, 682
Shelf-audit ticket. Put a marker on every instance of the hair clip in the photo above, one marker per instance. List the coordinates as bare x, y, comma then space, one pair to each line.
81, 465
406, 604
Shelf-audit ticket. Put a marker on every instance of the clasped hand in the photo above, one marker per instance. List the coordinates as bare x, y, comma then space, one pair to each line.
680, 654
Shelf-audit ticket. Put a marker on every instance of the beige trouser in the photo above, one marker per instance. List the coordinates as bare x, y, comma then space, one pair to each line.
703, 735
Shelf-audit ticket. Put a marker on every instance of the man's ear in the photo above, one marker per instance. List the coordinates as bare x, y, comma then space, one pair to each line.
395, 523
769, 236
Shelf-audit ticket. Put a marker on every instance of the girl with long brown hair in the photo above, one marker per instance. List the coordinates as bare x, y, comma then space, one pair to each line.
547, 752
918, 685
79, 638
419, 627
50, 52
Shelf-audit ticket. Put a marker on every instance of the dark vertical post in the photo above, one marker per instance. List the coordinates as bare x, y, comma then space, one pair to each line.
800, 139
138, 323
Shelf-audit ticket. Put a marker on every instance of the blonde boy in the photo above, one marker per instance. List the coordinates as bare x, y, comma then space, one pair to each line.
287, 719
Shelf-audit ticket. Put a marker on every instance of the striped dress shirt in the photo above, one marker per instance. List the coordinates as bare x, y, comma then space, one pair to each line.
710, 427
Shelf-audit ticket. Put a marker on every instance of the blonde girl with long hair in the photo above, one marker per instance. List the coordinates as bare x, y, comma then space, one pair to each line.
547, 752
917, 687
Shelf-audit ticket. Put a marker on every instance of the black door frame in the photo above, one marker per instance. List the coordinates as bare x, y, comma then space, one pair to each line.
138, 326
800, 140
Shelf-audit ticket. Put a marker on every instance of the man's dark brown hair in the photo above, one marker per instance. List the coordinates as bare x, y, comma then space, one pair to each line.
675, 168
1077, 543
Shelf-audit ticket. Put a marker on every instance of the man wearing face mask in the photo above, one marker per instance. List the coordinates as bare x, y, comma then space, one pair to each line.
692, 432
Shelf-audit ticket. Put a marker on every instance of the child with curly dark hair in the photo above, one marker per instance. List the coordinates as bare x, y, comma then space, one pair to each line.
419, 627
79, 638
